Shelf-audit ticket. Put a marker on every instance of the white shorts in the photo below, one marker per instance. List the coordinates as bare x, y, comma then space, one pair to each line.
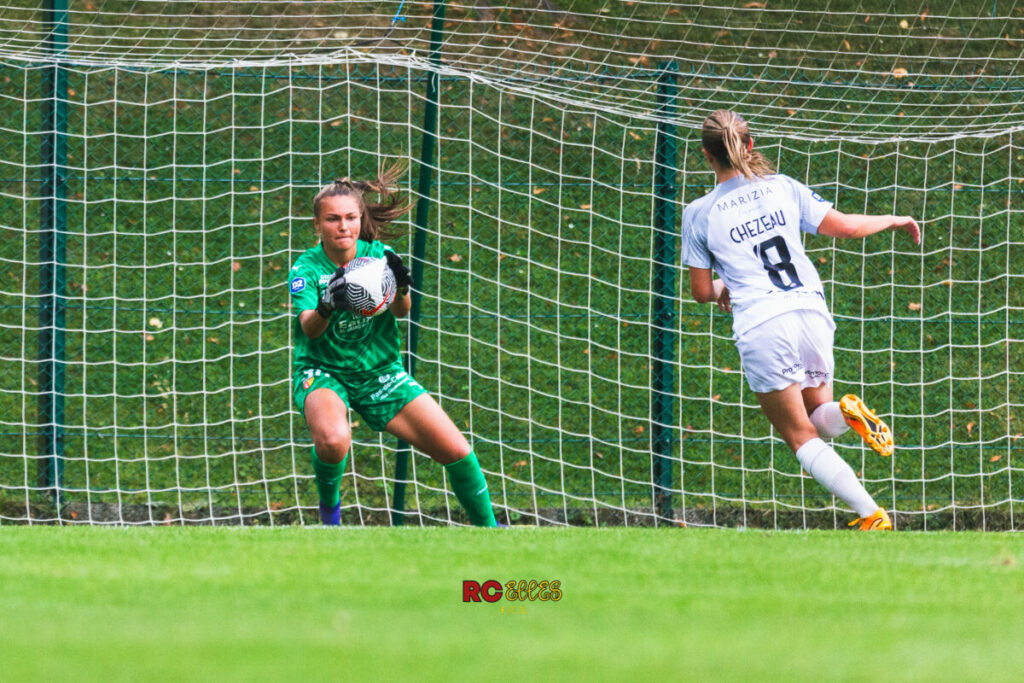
792, 348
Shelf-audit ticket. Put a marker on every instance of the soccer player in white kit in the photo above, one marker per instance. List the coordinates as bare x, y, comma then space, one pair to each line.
747, 230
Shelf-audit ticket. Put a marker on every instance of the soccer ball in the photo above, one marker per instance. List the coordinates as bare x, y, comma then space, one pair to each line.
371, 286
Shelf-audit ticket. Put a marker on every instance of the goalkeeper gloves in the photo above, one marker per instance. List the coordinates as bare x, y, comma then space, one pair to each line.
333, 296
403, 278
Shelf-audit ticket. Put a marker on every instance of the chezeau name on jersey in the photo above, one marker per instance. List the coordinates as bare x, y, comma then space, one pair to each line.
757, 226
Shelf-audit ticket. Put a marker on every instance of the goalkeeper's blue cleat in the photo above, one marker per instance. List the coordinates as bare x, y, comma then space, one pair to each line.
330, 516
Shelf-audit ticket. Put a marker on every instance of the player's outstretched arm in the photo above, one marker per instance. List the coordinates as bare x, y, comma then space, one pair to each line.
858, 226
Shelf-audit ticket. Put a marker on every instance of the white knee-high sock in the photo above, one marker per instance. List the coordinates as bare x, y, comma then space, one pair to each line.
832, 472
829, 421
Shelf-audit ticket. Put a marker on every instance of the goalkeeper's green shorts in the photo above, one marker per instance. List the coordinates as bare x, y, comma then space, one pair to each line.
378, 398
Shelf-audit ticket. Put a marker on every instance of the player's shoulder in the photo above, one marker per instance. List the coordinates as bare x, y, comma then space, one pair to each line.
306, 269
374, 249
789, 182
801, 191
307, 258
698, 208
700, 203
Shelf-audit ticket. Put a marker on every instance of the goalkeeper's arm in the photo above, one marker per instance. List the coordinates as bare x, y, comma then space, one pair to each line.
403, 279
314, 322
402, 304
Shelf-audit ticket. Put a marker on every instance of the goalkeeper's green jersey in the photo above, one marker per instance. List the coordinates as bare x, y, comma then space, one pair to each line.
352, 347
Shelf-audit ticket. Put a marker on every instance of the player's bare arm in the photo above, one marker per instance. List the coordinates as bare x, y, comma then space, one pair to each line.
313, 325
857, 226
402, 304
705, 289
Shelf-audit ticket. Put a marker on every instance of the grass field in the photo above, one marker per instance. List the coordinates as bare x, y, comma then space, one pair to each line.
295, 604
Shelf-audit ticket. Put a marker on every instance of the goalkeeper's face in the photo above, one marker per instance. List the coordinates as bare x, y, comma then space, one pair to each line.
338, 222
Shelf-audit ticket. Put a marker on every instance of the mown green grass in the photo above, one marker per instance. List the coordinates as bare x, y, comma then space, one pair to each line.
191, 604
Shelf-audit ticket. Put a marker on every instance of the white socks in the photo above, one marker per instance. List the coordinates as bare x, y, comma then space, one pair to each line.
829, 421
832, 472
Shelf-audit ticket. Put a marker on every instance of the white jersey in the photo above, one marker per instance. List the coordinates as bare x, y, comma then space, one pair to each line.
749, 232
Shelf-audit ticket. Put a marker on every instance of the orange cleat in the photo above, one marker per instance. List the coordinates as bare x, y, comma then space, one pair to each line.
879, 521
874, 432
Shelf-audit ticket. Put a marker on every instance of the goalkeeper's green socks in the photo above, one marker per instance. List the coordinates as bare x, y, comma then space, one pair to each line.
465, 476
471, 489
328, 479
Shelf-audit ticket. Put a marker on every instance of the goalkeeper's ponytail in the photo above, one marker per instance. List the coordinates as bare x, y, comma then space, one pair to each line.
375, 216
726, 138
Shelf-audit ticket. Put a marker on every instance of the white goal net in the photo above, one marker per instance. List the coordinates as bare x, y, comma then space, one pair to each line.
157, 166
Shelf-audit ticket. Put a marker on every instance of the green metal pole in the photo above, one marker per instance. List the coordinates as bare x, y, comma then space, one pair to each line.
663, 367
52, 254
420, 238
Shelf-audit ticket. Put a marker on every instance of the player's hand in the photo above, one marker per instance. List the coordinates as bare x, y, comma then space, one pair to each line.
724, 302
403, 278
910, 225
336, 290
722, 296
333, 296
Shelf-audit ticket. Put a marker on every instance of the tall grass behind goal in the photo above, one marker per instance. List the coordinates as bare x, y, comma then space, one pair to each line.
157, 164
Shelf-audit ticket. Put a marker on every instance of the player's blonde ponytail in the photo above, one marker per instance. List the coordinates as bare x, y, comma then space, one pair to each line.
727, 139
374, 215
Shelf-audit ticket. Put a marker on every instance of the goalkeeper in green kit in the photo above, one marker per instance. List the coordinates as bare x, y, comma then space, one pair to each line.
345, 362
